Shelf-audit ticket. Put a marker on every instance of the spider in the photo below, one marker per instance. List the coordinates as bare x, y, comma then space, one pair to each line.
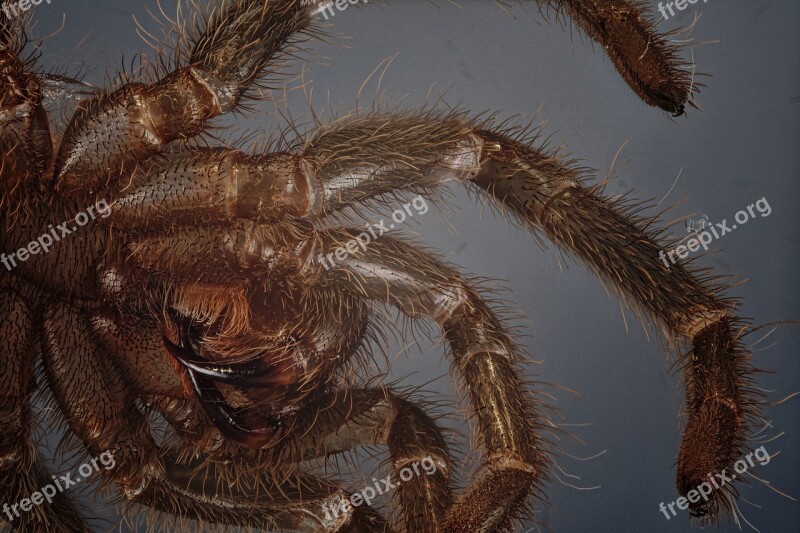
199, 296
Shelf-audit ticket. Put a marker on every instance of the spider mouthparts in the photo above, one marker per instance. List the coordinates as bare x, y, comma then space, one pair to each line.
250, 374
230, 422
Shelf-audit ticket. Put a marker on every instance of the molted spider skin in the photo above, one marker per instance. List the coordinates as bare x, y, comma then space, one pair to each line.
199, 294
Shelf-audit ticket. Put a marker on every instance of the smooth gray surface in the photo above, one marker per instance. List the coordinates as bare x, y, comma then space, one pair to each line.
742, 147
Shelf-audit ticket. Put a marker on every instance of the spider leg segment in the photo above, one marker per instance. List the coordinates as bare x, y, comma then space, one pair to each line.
508, 419
411, 437
292, 501
22, 471
218, 186
342, 164
25, 145
644, 57
96, 401
349, 419
238, 44
245, 249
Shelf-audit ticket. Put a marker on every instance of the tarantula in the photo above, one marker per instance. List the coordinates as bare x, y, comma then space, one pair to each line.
199, 296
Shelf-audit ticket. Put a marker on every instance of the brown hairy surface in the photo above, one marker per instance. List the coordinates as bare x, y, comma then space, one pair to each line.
646, 58
209, 333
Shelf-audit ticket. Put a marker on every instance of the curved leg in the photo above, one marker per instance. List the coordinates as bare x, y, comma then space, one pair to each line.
508, 417
354, 160
22, 471
642, 55
622, 249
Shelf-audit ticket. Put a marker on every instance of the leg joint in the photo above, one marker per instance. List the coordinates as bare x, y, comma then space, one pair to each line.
695, 322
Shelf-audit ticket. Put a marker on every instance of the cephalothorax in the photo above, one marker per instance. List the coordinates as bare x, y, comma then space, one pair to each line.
198, 294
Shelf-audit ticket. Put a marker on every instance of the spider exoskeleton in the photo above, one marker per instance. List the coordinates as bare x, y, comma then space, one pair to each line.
198, 295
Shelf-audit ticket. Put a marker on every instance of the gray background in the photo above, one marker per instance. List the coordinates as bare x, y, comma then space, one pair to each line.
740, 148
